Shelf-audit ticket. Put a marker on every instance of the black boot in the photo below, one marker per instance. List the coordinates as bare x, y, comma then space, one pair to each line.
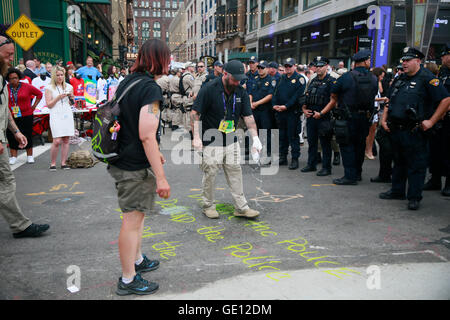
433, 184
294, 164
446, 191
337, 159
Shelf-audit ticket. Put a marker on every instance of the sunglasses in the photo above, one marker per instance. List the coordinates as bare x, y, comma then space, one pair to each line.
259, 67
6, 42
287, 66
200, 66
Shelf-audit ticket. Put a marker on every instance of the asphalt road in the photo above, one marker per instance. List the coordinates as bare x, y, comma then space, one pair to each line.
313, 240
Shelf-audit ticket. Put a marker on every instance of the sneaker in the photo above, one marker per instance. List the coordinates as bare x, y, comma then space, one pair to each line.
12, 160
211, 213
52, 168
138, 286
146, 265
33, 231
30, 159
65, 167
247, 213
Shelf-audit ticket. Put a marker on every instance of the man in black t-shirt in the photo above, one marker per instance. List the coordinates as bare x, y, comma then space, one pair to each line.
219, 105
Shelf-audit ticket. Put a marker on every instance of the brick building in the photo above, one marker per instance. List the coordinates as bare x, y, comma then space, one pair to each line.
152, 19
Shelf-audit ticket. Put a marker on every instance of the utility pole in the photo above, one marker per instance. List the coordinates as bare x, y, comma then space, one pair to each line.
24, 8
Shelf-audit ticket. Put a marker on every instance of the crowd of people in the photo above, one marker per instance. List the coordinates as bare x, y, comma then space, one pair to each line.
335, 109
34, 85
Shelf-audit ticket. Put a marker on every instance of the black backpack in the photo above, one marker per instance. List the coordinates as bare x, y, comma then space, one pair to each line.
104, 147
365, 95
181, 86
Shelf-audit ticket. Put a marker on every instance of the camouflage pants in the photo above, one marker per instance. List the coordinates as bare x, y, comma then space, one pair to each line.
9, 207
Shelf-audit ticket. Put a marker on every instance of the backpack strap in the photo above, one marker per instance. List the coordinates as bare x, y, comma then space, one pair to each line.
126, 91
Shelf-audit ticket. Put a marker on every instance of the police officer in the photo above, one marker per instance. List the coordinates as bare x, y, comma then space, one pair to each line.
166, 113
273, 72
251, 74
355, 92
440, 142
200, 77
409, 114
316, 98
285, 102
217, 72
176, 100
261, 103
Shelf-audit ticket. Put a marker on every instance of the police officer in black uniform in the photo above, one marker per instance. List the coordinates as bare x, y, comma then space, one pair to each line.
261, 94
285, 102
355, 93
313, 101
440, 142
408, 116
251, 74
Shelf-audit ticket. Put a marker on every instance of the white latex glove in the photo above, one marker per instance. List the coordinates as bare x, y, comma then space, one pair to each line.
255, 156
257, 145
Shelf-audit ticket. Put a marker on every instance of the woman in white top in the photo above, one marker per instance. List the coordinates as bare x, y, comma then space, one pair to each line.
57, 96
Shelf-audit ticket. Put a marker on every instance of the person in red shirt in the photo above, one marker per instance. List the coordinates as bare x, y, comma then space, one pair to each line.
20, 96
78, 89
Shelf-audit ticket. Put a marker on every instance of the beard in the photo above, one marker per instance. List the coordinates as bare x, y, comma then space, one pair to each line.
228, 86
3, 67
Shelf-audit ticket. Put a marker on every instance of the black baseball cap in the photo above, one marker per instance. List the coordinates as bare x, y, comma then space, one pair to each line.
236, 69
218, 64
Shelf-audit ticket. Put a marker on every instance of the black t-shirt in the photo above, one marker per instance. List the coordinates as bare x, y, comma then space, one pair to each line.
132, 154
210, 104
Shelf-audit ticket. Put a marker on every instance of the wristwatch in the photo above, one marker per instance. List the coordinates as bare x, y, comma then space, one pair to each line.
15, 132
320, 113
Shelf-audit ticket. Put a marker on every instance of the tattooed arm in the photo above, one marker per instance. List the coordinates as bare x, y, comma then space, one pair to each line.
251, 125
148, 127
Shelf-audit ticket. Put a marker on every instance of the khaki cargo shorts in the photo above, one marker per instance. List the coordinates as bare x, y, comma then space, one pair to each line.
136, 190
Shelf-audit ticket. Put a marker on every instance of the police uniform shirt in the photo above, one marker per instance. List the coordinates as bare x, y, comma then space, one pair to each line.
345, 83
289, 90
323, 88
421, 91
210, 105
275, 79
444, 76
251, 78
261, 88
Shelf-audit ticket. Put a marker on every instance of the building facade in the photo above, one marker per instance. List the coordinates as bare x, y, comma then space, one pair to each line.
71, 28
201, 28
231, 29
152, 19
178, 35
333, 28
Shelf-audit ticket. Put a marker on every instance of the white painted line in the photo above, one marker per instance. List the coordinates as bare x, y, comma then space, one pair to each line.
22, 157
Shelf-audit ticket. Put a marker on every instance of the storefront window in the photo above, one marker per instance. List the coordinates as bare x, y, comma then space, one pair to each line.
268, 10
288, 7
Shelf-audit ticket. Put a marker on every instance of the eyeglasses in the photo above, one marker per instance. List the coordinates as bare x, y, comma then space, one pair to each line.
6, 42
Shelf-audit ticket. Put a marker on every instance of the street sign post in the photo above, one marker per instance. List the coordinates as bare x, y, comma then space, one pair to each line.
24, 32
